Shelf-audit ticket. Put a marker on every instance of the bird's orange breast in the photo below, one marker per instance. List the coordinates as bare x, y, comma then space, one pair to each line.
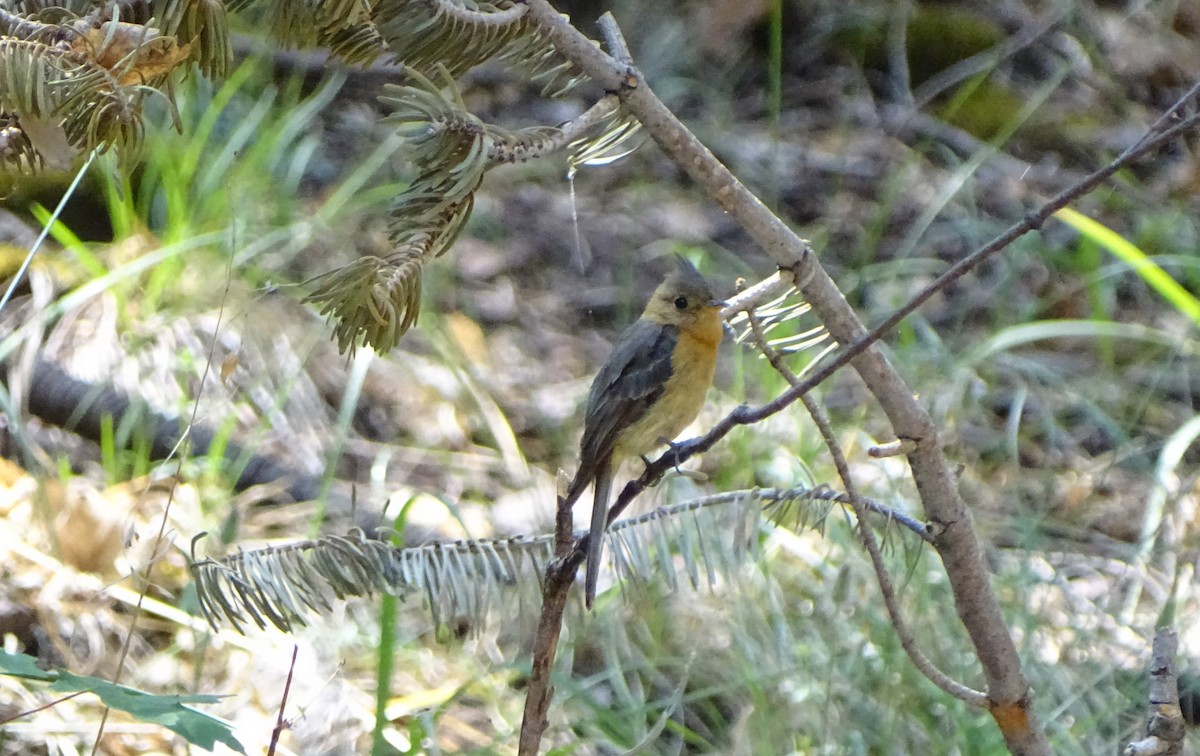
692, 365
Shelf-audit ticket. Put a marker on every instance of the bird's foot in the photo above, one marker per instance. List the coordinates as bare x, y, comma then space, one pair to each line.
679, 451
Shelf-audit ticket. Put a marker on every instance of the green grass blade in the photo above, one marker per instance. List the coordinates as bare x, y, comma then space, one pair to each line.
1128, 252
67, 239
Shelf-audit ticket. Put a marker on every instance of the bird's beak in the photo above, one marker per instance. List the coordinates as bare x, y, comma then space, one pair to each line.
717, 303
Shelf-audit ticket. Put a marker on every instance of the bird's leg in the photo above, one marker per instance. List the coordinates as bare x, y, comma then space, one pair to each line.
677, 452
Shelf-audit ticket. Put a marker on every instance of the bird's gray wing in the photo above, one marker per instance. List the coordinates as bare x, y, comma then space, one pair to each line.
627, 386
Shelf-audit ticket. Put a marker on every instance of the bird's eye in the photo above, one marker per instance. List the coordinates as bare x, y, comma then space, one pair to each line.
681, 303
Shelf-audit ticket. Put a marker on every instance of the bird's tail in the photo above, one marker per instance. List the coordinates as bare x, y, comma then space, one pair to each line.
596, 538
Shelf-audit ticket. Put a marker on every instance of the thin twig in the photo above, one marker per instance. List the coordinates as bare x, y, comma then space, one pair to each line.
580, 125
37, 244
281, 723
1165, 728
160, 539
1172, 111
614, 40
907, 640
48, 705
764, 291
1031, 222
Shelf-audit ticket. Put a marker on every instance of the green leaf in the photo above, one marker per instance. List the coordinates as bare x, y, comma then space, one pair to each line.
23, 665
197, 728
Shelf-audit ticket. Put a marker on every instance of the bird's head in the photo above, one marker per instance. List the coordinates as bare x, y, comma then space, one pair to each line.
684, 299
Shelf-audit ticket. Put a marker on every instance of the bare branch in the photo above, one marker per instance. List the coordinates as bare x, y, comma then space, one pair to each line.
545, 647
614, 40
763, 291
1166, 728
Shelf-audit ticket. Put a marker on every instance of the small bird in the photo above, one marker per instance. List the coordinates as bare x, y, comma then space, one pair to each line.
649, 390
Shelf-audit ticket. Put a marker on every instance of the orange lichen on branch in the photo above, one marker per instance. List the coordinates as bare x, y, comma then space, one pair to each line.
1011, 717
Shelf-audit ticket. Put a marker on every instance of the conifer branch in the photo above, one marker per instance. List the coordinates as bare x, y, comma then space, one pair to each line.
280, 586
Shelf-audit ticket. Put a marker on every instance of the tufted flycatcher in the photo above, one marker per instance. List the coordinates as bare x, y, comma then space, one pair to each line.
649, 390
